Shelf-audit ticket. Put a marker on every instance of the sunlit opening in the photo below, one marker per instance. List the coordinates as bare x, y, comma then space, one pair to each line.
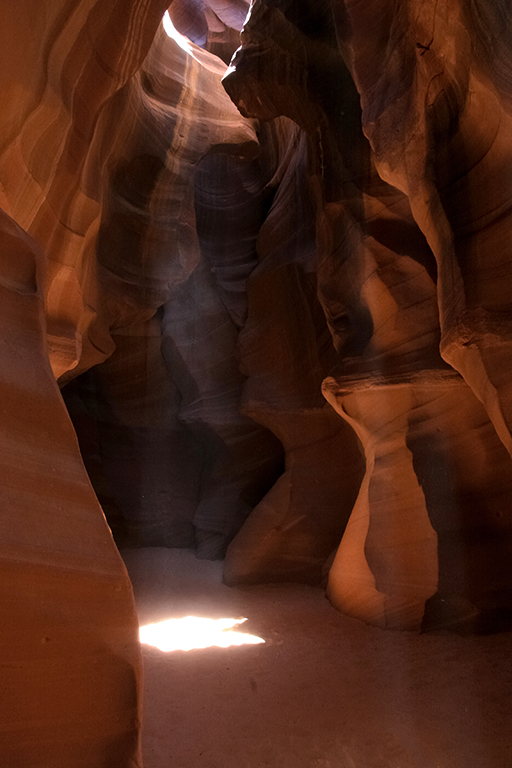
173, 33
194, 632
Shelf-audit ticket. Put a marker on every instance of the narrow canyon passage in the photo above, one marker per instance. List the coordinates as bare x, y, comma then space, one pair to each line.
256, 309
323, 691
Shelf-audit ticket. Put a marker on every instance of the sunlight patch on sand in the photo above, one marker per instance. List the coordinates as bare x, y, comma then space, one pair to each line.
193, 632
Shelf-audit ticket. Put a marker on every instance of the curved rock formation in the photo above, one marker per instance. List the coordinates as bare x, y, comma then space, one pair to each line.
213, 24
378, 286
197, 277
79, 54
436, 116
286, 351
70, 654
202, 224
69, 650
197, 465
446, 98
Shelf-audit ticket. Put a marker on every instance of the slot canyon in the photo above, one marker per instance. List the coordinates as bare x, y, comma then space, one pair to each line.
256, 300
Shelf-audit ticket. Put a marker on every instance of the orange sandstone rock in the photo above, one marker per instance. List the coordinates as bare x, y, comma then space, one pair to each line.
69, 651
387, 216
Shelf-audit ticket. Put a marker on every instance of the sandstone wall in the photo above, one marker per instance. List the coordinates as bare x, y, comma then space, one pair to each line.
281, 330
403, 138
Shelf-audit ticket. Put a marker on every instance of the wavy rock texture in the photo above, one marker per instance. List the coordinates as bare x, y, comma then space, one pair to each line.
70, 652
198, 276
286, 350
437, 117
199, 225
68, 641
212, 24
78, 54
377, 280
446, 98
197, 465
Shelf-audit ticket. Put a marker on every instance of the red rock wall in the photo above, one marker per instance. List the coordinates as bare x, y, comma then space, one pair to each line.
436, 115
69, 650
79, 54
276, 330
395, 295
446, 99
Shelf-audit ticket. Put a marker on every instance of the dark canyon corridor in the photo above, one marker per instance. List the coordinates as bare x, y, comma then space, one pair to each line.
255, 369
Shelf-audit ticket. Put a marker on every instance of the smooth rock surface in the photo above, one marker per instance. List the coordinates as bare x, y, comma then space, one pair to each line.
69, 652
381, 282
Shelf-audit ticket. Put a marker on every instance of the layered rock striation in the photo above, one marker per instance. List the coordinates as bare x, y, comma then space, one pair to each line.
422, 520
69, 650
280, 319
70, 655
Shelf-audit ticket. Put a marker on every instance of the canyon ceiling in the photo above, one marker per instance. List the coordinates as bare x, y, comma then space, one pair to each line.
267, 304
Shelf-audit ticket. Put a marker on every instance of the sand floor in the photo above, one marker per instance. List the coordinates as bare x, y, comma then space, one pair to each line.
324, 691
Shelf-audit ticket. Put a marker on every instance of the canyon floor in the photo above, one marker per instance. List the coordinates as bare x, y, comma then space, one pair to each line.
323, 691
